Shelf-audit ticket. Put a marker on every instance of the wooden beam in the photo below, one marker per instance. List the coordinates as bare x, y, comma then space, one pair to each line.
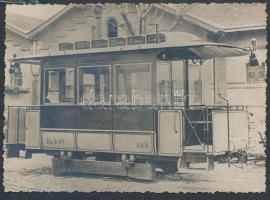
136, 170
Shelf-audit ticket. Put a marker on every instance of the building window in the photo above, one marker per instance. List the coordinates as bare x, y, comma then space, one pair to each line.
112, 28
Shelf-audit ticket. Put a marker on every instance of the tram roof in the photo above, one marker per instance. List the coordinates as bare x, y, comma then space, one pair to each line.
177, 46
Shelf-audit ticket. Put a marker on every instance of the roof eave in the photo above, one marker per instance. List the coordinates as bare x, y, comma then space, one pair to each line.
50, 20
251, 28
17, 31
165, 8
160, 47
210, 26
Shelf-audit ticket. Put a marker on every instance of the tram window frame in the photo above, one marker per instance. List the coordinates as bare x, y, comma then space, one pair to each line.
46, 86
163, 99
195, 99
116, 100
177, 81
78, 83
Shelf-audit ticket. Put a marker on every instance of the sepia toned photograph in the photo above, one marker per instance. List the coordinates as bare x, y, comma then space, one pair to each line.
135, 97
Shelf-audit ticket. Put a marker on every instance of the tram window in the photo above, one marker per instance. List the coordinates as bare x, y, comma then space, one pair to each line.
195, 85
94, 85
178, 83
163, 83
133, 84
59, 85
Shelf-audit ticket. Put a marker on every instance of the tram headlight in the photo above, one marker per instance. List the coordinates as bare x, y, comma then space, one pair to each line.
69, 154
132, 158
164, 56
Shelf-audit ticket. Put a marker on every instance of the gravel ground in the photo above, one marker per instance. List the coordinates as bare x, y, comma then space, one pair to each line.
36, 175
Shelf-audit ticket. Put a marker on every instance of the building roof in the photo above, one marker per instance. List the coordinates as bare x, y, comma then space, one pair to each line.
225, 17
28, 27
213, 17
20, 24
23, 23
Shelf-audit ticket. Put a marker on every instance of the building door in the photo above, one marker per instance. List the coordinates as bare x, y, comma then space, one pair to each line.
170, 131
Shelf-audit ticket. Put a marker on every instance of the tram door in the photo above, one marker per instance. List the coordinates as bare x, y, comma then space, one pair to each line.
170, 131
32, 125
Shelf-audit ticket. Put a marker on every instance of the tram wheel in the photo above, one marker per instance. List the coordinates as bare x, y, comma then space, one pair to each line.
107, 157
78, 155
168, 167
243, 157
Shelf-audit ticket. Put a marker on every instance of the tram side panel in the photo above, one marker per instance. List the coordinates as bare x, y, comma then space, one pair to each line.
170, 132
32, 129
98, 129
124, 131
238, 131
15, 137
16, 119
73, 128
140, 131
134, 131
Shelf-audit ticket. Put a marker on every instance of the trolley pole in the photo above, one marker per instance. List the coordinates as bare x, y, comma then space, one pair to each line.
186, 84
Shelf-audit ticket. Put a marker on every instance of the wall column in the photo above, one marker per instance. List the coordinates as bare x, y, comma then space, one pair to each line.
98, 14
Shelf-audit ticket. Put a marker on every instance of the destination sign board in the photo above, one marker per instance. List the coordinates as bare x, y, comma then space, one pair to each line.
114, 42
65, 46
99, 43
82, 45
153, 38
136, 40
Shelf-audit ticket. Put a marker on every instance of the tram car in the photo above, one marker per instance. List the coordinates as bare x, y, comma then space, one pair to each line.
123, 106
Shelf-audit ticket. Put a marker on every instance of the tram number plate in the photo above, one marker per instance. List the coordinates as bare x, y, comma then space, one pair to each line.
51, 141
133, 143
58, 140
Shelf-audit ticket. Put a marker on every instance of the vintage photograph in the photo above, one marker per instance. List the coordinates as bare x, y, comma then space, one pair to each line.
135, 97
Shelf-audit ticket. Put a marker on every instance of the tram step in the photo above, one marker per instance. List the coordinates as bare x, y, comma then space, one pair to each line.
138, 171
